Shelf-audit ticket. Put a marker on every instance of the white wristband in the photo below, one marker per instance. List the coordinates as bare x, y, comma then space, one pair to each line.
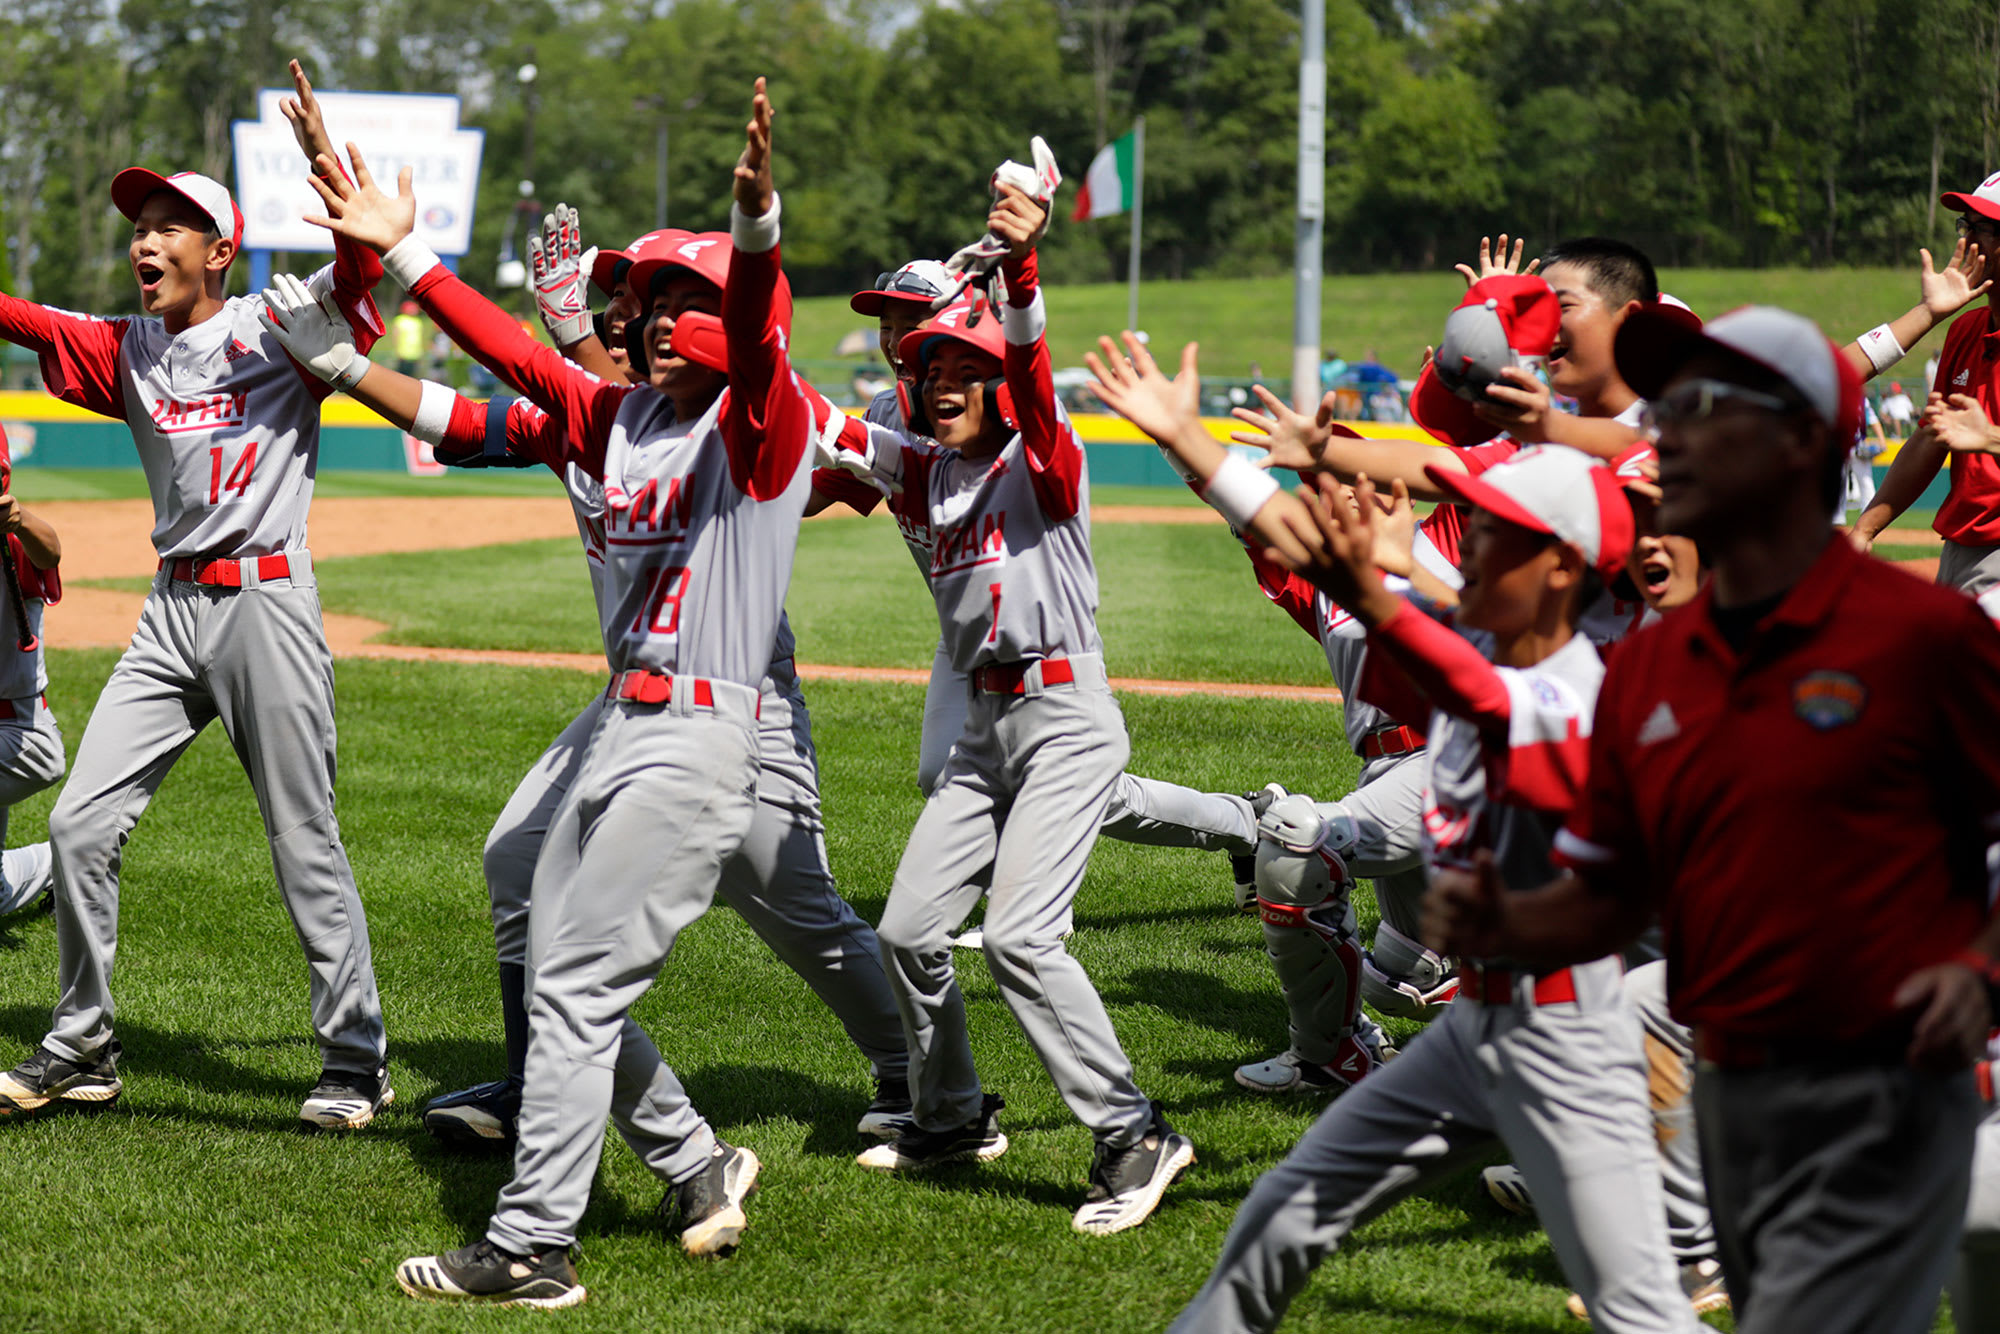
1239, 489
1022, 326
433, 413
408, 260
350, 374
754, 236
1879, 345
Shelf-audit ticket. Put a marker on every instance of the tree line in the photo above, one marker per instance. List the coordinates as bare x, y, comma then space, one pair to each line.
1712, 132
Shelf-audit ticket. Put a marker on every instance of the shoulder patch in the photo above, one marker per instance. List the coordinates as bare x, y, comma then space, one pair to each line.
1826, 700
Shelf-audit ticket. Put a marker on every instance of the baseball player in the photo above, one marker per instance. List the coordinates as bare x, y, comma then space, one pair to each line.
31, 746
779, 880
1549, 1063
705, 479
997, 484
227, 429
1796, 695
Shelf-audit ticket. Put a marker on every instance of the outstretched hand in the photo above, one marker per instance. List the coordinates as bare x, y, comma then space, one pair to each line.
1494, 260
753, 169
1948, 290
1132, 385
358, 210
1017, 219
1289, 439
1960, 424
1395, 526
1343, 565
308, 125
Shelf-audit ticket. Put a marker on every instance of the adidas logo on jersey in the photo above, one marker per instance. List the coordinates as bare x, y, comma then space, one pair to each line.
1660, 725
237, 351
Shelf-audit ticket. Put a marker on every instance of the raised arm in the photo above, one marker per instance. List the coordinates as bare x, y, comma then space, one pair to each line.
357, 209
1307, 444
356, 268
1941, 294
78, 353
1055, 455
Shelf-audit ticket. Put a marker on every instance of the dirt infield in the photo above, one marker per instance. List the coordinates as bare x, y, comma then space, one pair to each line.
108, 539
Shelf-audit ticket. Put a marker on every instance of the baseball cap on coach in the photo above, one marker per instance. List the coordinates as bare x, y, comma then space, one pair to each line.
1556, 490
1651, 349
1501, 321
131, 187
921, 281
1985, 201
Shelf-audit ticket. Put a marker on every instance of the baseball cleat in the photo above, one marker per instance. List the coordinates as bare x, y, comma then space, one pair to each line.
30, 873
46, 1080
482, 1272
892, 1113
1701, 1281
1509, 1189
708, 1206
1290, 1072
346, 1099
483, 1116
1126, 1184
973, 938
979, 1140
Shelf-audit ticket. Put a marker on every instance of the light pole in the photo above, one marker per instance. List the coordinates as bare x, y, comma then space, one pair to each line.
658, 104
511, 272
1308, 247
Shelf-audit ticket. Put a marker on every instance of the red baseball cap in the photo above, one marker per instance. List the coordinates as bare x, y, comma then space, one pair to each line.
1501, 320
1651, 348
919, 282
1556, 490
611, 265
954, 322
131, 188
1985, 201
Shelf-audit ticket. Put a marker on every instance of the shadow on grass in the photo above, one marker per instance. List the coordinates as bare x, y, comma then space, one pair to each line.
1204, 1001
1379, 1310
207, 1061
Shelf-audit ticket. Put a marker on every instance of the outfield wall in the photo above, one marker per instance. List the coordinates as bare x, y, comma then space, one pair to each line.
46, 433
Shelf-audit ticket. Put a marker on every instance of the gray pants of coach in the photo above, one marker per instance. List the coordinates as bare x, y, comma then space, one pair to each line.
1564, 1087
779, 881
1024, 792
31, 758
1838, 1193
663, 799
256, 659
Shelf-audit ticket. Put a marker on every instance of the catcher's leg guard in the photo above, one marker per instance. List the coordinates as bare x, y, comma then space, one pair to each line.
1304, 897
1402, 978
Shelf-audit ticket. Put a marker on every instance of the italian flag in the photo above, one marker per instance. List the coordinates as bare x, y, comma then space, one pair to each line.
1107, 186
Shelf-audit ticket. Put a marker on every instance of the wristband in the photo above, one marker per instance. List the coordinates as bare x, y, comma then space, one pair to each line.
433, 413
350, 374
408, 260
1239, 489
754, 236
1879, 345
1022, 326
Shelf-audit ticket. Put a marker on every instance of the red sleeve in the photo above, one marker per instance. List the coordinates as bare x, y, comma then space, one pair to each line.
766, 419
1055, 455
846, 489
1294, 596
45, 585
1601, 840
584, 405
79, 353
1478, 458
526, 431
1450, 672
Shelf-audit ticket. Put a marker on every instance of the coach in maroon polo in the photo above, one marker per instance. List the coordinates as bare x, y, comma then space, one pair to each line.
1797, 775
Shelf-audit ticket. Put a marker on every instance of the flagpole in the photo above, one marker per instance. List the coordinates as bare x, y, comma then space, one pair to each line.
1138, 207
1308, 251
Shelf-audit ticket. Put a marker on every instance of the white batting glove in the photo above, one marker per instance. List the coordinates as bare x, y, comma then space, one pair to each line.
559, 264
313, 331
981, 259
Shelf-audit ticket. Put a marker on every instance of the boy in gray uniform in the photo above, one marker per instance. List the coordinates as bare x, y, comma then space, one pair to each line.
704, 483
227, 429
31, 746
1002, 498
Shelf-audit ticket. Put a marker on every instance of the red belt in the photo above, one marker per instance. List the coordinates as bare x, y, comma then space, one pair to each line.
1394, 741
1010, 678
1495, 986
225, 573
7, 707
658, 688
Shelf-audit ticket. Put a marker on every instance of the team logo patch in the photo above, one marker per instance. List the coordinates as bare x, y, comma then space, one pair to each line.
1826, 700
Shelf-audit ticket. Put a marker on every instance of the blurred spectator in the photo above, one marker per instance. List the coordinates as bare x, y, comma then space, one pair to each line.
1899, 414
1331, 369
406, 336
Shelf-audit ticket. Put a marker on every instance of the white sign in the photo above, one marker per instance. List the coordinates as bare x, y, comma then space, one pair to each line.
393, 130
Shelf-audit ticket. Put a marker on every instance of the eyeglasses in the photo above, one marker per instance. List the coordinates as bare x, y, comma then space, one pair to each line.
1696, 400
906, 284
1968, 224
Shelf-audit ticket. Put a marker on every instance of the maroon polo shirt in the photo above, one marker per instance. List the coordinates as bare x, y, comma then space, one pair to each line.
1809, 817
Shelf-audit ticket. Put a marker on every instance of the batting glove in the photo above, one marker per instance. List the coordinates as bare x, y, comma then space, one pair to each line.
313, 331
980, 261
559, 265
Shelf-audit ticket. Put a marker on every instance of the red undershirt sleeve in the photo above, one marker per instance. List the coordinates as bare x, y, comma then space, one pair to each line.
79, 353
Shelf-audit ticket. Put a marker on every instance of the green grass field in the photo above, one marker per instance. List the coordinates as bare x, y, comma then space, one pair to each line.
195, 1202
1240, 321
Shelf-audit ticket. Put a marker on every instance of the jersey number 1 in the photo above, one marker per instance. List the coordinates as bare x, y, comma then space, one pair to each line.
238, 480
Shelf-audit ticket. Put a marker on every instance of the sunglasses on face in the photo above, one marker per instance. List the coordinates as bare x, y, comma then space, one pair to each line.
1981, 226
1696, 400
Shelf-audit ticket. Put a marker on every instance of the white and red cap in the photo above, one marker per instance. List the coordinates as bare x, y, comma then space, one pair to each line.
1501, 320
1652, 347
1556, 490
131, 188
1985, 201
919, 282
611, 265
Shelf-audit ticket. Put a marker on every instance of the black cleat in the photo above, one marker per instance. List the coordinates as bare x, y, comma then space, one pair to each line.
708, 1206
892, 1113
46, 1079
482, 1272
346, 1099
1126, 1184
483, 1116
916, 1148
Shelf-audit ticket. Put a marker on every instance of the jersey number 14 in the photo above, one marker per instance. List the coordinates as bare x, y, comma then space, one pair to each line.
238, 480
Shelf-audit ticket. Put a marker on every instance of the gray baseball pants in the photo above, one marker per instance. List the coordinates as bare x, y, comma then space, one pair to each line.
662, 800
779, 880
1141, 810
1670, 1081
255, 658
1971, 570
1839, 1193
1564, 1087
1024, 794
31, 758
1384, 818
1975, 1285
